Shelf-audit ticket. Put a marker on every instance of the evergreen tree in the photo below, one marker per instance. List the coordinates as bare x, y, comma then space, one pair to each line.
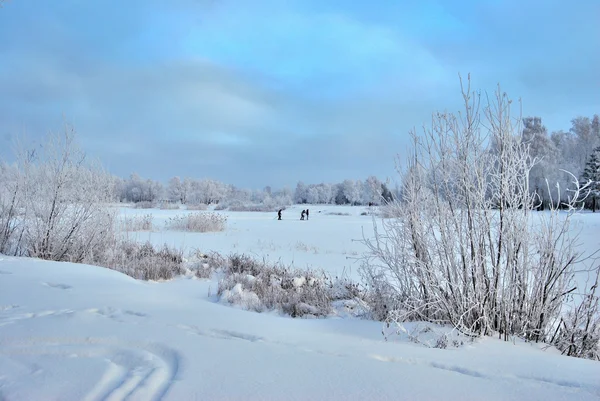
591, 174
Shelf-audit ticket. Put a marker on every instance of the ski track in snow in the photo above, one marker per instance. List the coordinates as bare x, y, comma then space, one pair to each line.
134, 371
137, 373
147, 371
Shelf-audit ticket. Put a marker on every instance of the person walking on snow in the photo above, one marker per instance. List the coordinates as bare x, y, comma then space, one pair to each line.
279, 214
302, 215
306, 214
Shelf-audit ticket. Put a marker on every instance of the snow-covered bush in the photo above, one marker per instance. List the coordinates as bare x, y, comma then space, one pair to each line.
221, 206
168, 206
144, 205
260, 286
578, 333
268, 205
137, 223
464, 247
423, 333
198, 206
203, 265
143, 261
198, 222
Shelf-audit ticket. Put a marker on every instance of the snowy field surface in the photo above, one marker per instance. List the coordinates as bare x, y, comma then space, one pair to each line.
329, 240
78, 332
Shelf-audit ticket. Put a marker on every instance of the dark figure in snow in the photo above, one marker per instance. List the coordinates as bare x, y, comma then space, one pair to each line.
302, 215
306, 214
279, 214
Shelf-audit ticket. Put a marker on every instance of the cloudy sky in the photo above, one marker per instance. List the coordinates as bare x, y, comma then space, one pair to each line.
257, 93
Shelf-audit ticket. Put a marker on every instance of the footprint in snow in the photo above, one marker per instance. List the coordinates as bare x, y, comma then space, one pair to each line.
58, 285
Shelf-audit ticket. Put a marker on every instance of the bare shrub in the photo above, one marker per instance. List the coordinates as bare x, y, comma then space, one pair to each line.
137, 223
578, 332
143, 261
144, 205
388, 210
424, 333
260, 286
198, 222
268, 205
221, 206
463, 248
241, 207
204, 265
169, 206
198, 206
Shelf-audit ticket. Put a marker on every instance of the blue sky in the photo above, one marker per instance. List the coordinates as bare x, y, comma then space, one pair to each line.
270, 92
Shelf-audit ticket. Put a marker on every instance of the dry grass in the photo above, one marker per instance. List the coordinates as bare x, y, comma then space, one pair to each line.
137, 223
144, 261
261, 286
201, 222
199, 206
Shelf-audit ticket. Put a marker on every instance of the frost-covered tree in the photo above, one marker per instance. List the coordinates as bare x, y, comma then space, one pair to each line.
591, 174
351, 191
372, 191
581, 128
64, 203
176, 191
312, 195
596, 127
207, 191
545, 154
386, 194
12, 185
137, 189
301, 193
326, 194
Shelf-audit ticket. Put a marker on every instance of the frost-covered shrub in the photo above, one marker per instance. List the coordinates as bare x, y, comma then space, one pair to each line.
198, 222
389, 210
464, 247
204, 265
137, 223
198, 206
268, 204
260, 286
143, 261
260, 207
423, 333
144, 205
578, 333
168, 206
221, 206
